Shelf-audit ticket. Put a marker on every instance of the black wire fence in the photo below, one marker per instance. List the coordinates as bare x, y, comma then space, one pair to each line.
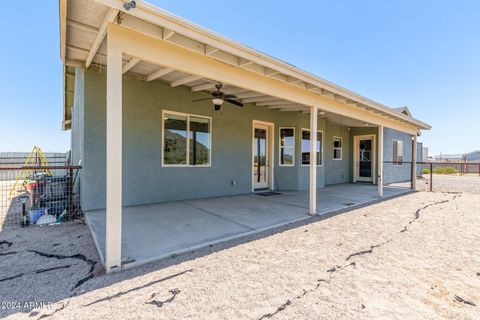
451, 177
46, 192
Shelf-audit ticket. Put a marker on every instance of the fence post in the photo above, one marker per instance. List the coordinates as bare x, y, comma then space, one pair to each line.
70, 191
431, 176
479, 169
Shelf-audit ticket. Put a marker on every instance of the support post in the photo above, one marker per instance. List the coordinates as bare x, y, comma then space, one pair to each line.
380, 161
313, 161
414, 162
114, 157
431, 176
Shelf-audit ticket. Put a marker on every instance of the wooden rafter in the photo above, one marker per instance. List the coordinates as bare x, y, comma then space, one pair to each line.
102, 31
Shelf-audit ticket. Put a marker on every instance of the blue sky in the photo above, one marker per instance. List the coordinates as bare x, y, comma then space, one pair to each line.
423, 54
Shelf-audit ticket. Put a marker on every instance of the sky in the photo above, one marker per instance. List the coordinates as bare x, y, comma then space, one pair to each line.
422, 54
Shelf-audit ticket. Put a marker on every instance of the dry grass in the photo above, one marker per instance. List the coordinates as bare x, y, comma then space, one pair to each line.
414, 257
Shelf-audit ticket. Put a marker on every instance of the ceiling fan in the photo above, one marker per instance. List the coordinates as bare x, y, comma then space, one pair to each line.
218, 97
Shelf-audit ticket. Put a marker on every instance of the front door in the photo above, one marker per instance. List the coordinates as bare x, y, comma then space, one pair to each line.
260, 156
364, 158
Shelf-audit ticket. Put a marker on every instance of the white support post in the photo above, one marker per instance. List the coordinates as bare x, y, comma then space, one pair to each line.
313, 161
113, 239
414, 161
380, 161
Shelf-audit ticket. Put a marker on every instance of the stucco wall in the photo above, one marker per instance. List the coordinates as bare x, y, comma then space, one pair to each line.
337, 171
144, 179
393, 172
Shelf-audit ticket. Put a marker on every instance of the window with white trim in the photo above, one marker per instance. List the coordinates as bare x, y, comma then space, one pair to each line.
306, 147
397, 152
337, 148
186, 140
287, 146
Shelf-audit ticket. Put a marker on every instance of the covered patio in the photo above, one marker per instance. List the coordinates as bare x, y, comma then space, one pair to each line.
156, 231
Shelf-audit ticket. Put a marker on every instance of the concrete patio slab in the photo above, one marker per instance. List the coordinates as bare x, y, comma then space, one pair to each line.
157, 231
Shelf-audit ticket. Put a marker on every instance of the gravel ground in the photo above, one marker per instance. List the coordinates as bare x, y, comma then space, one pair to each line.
413, 257
451, 183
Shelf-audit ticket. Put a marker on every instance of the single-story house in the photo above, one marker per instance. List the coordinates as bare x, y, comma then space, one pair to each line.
164, 111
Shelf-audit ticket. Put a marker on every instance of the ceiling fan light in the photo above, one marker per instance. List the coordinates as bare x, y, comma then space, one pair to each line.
217, 101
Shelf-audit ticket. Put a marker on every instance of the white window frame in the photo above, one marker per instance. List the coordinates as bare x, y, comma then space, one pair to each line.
341, 148
321, 148
395, 161
187, 165
280, 147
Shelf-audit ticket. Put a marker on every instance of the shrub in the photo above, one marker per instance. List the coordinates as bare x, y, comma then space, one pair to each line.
445, 170
425, 171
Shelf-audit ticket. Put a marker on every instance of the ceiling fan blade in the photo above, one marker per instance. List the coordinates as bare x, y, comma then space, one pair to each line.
230, 96
202, 99
234, 102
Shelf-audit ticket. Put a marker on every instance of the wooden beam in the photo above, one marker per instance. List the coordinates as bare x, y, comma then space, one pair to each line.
243, 62
167, 33
209, 50
184, 80
293, 109
102, 31
172, 56
274, 103
249, 94
130, 64
157, 74
271, 72
288, 106
113, 235
80, 25
313, 162
380, 161
63, 29
259, 99
204, 86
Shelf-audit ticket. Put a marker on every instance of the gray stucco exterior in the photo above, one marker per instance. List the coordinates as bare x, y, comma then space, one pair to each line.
146, 181
396, 172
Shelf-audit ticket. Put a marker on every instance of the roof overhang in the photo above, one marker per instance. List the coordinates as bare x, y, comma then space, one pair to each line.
84, 24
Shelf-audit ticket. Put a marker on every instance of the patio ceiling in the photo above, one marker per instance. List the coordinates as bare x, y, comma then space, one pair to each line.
83, 32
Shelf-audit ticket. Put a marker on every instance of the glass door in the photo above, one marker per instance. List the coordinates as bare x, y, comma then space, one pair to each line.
260, 157
364, 159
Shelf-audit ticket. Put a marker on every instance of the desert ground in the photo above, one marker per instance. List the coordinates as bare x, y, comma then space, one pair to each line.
413, 257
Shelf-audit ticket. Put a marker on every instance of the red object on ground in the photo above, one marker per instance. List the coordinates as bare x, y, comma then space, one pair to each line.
30, 186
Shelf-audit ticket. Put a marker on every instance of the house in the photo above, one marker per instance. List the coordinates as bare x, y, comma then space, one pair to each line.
448, 158
473, 156
162, 110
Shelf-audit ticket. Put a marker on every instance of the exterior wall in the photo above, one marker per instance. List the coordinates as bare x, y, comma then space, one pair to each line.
393, 172
419, 158
473, 156
145, 180
337, 171
78, 129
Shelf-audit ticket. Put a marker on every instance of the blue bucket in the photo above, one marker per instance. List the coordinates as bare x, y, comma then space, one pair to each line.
36, 214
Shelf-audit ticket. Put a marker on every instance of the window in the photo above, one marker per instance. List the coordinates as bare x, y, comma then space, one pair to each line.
306, 147
397, 152
337, 148
186, 140
287, 146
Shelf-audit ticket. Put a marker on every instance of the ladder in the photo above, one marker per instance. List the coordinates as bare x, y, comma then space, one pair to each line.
36, 158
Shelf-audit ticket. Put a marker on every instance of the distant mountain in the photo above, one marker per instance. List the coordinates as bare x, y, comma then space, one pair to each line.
175, 146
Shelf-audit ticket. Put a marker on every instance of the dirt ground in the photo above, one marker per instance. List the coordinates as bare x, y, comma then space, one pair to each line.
413, 257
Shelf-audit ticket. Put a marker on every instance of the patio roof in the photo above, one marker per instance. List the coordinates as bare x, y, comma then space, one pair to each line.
83, 29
